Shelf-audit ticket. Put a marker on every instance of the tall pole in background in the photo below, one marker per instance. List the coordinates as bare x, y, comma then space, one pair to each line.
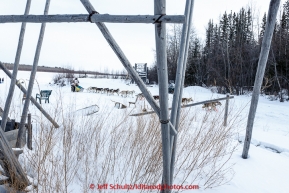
265, 48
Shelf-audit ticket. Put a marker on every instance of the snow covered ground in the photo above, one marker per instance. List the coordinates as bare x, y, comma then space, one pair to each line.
266, 169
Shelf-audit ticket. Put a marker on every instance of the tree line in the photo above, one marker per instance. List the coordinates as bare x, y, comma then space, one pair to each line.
228, 57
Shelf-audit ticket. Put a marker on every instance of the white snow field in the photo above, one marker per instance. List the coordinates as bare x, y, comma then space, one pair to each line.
265, 171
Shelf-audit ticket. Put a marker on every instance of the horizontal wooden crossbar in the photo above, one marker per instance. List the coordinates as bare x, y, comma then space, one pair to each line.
184, 106
95, 18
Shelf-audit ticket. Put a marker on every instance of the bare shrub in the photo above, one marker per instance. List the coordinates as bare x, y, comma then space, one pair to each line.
57, 78
112, 147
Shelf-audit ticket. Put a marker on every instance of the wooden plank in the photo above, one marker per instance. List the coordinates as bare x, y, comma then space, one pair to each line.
184, 106
11, 137
94, 18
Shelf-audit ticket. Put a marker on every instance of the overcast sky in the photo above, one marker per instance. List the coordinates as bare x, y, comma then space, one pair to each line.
82, 46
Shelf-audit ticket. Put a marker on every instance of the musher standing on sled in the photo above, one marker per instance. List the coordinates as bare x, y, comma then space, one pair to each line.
75, 86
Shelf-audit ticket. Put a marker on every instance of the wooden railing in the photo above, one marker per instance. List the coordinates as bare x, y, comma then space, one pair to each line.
227, 98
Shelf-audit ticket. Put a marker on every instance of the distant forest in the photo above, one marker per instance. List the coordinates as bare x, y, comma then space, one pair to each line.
228, 57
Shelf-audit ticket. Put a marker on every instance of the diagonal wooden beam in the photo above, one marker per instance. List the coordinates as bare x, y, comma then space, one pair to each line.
33, 100
127, 65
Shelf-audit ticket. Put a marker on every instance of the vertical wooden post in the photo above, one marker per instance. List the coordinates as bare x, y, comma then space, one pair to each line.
269, 29
29, 135
15, 70
226, 109
160, 35
21, 132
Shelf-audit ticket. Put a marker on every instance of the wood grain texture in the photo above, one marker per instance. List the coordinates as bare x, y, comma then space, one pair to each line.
67, 18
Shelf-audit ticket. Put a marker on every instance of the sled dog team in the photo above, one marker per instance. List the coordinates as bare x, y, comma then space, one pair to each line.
109, 91
140, 96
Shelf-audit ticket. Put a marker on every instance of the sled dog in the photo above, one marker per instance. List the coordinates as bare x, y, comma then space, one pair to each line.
186, 100
212, 105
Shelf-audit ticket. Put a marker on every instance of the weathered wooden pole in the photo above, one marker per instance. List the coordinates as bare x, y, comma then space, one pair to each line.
180, 64
29, 133
10, 163
15, 70
180, 77
269, 29
127, 65
226, 110
160, 35
31, 98
94, 18
21, 133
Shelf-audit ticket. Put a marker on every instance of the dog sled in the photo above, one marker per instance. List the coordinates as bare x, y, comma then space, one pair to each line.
88, 110
76, 88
